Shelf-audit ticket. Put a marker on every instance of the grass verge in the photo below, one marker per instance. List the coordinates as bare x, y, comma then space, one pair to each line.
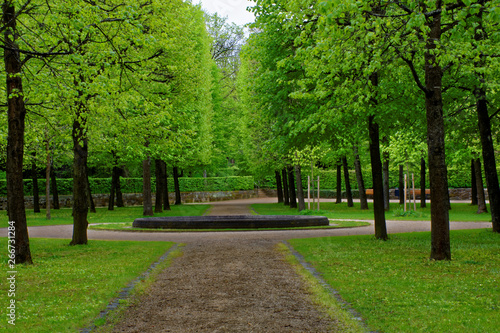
342, 320
103, 215
68, 286
460, 212
396, 288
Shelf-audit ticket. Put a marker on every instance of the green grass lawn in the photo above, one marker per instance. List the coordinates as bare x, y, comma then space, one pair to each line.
459, 212
396, 288
103, 215
67, 286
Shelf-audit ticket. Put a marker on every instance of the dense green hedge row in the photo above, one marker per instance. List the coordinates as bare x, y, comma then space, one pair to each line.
457, 178
134, 185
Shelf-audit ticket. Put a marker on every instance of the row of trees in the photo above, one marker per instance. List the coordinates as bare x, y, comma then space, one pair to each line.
326, 79
109, 82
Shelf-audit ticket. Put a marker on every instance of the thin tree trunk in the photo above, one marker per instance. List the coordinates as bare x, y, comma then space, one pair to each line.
339, 183
36, 194
80, 188
347, 183
159, 187
422, 183
438, 174
385, 176
47, 183
291, 188
279, 188
378, 190
401, 184
89, 195
16, 113
359, 178
147, 202
473, 183
300, 190
285, 188
166, 203
118, 188
176, 186
111, 201
53, 185
481, 200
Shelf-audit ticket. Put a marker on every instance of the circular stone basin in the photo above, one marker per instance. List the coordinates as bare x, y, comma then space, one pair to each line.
230, 222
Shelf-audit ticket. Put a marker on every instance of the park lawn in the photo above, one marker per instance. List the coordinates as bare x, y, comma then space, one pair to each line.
67, 286
396, 288
460, 212
103, 215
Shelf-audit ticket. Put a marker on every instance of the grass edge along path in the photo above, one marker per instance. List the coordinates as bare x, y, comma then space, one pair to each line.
396, 288
323, 295
68, 286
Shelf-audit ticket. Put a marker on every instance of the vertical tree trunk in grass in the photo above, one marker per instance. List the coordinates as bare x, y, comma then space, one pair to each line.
347, 183
279, 188
159, 187
166, 203
378, 190
118, 188
285, 188
47, 183
359, 178
473, 183
80, 186
422, 183
438, 174
339, 183
176, 187
111, 201
36, 194
16, 113
300, 190
401, 184
147, 202
291, 188
481, 200
385, 176
53, 186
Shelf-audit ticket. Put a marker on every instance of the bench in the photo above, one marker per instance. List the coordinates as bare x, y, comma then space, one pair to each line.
369, 191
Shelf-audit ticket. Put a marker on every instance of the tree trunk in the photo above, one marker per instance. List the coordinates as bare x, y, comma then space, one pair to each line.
111, 201
279, 188
422, 183
347, 183
159, 187
378, 190
359, 178
176, 186
385, 176
147, 202
80, 188
339, 183
291, 188
401, 184
285, 188
89, 195
53, 185
47, 184
438, 174
16, 113
473, 183
118, 188
166, 203
36, 190
481, 200
300, 190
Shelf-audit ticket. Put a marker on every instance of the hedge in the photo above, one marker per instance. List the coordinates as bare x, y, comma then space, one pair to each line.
134, 185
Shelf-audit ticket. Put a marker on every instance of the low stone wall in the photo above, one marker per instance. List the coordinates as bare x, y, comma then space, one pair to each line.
135, 199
